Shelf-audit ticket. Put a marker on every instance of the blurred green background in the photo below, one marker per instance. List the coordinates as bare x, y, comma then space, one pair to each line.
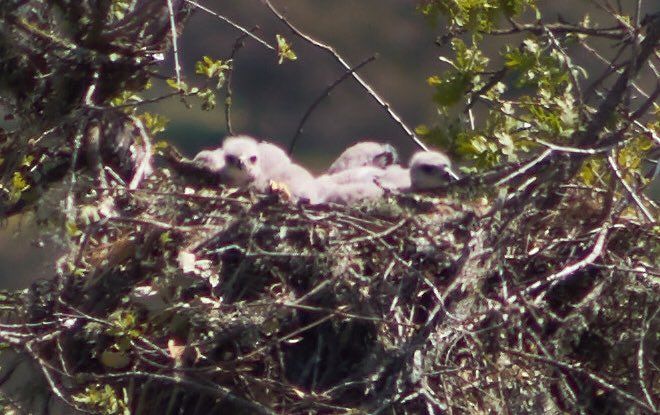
270, 99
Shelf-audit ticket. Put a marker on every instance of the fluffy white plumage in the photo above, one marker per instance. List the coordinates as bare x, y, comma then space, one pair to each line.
259, 164
212, 160
242, 161
430, 170
347, 193
352, 185
363, 171
366, 153
395, 177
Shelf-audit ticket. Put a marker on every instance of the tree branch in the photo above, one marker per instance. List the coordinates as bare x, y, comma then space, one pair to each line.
330, 50
326, 92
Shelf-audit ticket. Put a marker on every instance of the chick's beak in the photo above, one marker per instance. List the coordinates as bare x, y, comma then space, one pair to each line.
451, 173
242, 164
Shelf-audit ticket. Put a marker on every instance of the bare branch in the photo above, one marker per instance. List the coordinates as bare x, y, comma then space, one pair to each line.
326, 92
560, 28
573, 368
175, 47
238, 44
526, 167
631, 192
143, 159
569, 66
640, 360
330, 50
234, 25
553, 279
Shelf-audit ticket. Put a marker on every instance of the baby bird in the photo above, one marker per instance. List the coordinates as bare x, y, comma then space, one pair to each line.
242, 161
350, 193
430, 170
211, 160
352, 185
363, 171
263, 165
366, 153
394, 178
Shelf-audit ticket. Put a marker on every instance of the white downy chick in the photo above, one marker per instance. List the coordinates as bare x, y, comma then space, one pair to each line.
366, 153
430, 170
263, 165
278, 169
242, 165
350, 186
348, 193
211, 160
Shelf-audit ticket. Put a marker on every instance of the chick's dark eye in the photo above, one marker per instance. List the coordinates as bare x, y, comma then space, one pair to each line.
253, 159
231, 159
427, 168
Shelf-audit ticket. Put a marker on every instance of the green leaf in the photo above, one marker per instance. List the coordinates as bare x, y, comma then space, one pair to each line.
19, 184
72, 229
179, 86
208, 98
213, 69
103, 399
165, 238
124, 324
125, 97
160, 146
477, 15
155, 123
119, 8
284, 50
468, 60
450, 88
27, 160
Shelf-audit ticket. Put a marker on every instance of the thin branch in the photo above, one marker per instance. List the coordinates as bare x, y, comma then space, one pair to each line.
569, 66
175, 47
139, 103
77, 144
576, 150
330, 50
647, 104
228, 92
326, 93
216, 390
44, 366
562, 28
590, 134
232, 24
566, 272
640, 360
611, 69
525, 167
633, 195
495, 78
574, 368
144, 162
617, 69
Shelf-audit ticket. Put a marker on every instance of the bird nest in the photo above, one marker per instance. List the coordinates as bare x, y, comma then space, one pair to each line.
204, 300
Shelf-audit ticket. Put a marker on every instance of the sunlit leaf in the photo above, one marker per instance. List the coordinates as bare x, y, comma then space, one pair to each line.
284, 51
155, 123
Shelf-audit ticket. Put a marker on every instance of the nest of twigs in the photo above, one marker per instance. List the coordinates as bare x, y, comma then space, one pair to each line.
204, 300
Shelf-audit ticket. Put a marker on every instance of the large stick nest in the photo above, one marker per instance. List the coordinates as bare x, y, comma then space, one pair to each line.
209, 300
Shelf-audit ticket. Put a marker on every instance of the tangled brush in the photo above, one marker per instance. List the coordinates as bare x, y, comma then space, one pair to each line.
197, 300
